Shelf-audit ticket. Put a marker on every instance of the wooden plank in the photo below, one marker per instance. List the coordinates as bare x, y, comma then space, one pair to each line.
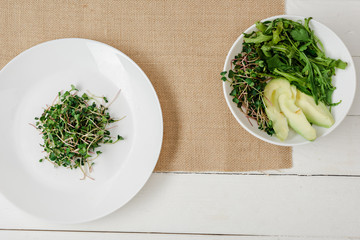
56, 235
341, 16
338, 153
355, 109
227, 204
335, 154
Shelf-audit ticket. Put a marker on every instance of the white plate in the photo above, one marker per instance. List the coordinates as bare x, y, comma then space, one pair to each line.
344, 81
32, 80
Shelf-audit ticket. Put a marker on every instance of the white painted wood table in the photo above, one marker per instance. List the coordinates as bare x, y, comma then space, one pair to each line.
319, 198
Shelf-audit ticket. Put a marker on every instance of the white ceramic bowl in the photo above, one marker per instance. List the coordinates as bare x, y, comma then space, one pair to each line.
344, 81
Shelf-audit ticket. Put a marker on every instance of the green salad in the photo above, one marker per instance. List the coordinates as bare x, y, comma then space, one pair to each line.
288, 50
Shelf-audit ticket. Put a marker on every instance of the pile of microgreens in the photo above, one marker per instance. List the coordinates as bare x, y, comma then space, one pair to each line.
73, 128
248, 81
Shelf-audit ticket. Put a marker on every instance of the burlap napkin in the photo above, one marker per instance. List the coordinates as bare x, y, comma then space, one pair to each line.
181, 46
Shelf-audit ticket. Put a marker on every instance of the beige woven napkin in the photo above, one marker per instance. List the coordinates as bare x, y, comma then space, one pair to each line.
181, 46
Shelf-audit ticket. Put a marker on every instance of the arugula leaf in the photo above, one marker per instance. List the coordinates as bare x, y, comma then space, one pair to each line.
275, 62
276, 33
259, 38
340, 64
300, 34
260, 26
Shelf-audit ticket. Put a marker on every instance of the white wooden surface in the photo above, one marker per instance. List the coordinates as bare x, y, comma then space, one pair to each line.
319, 198
35, 235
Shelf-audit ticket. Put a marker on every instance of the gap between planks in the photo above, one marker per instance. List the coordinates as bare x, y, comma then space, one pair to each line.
129, 232
260, 174
171, 233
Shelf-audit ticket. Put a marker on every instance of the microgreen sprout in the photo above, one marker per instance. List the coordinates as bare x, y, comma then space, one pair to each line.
248, 81
73, 128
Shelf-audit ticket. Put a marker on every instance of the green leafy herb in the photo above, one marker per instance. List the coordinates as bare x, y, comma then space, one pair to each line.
258, 38
298, 55
248, 82
72, 130
300, 34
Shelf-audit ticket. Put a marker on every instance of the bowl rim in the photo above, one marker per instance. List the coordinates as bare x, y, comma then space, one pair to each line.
251, 131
